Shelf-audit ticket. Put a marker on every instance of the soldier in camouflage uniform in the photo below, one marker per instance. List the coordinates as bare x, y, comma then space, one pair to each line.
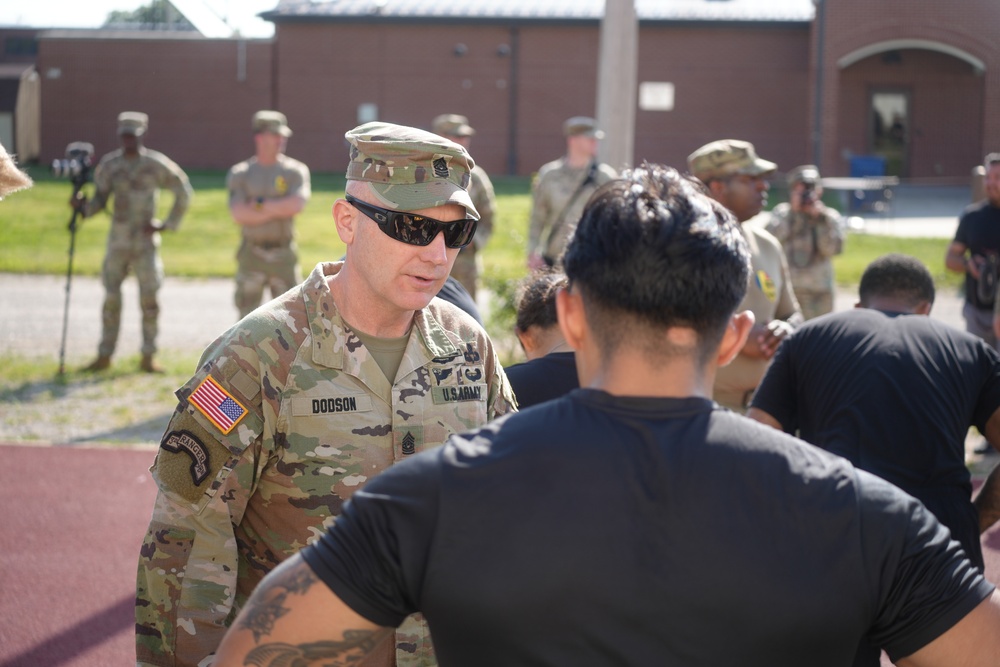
811, 234
468, 265
265, 193
561, 189
307, 398
134, 174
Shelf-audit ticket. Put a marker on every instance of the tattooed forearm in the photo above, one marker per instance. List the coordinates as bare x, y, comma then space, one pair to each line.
267, 605
355, 645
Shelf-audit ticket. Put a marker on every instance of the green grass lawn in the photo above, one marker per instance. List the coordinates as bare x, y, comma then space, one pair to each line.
34, 236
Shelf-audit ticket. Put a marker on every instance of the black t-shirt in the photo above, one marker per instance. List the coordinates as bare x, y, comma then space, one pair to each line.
543, 379
895, 395
979, 231
601, 530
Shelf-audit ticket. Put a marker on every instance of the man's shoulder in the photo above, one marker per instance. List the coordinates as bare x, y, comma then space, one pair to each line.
292, 164
755, 227
241, 167
454, 319
550, 168
607, 172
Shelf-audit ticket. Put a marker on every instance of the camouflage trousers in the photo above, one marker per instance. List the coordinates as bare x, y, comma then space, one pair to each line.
814, 303
148, 268
258, 267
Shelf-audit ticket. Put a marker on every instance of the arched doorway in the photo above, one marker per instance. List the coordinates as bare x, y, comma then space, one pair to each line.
915, 105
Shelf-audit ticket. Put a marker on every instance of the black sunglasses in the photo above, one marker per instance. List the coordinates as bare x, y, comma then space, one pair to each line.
417, 229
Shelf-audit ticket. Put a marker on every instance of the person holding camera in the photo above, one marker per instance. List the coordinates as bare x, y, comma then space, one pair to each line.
975, 251
134, 174
811, 234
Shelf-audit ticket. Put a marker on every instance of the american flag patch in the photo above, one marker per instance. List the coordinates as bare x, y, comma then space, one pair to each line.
217, 404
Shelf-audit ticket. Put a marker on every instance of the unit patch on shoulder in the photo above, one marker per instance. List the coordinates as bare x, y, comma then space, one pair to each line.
187, 442
217, 404
766, 285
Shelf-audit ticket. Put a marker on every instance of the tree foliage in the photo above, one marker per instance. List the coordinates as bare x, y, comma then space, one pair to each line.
157, 15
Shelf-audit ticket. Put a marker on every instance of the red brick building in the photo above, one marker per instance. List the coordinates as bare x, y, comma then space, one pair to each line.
915, 82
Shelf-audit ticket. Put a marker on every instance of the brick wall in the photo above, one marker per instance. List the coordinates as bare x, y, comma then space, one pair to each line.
199, 108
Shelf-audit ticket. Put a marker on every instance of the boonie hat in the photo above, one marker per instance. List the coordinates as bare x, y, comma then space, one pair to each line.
271, 121
452, 125
728, 157
132, 122
805, 173
582, 125
409, 168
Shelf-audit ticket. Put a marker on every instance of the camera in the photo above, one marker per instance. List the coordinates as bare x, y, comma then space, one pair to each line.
808, 192
76, 165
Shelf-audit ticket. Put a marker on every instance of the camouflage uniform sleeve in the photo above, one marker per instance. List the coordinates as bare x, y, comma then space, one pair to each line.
830, 235
236, 184
787, 308
501, 394
777, 223
540, 214
102, 189
304, 188
486, 203
188, 563
174, 179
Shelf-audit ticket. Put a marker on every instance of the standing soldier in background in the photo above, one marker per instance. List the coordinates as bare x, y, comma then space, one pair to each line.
468, 265
134, 174
265, 193
811, 234
561, 190
314, 393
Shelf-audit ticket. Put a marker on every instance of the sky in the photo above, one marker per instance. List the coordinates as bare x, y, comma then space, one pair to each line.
240, 14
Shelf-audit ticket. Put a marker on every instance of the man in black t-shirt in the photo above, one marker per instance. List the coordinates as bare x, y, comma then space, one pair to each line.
975, 251
895, 393
633, 521
550, 370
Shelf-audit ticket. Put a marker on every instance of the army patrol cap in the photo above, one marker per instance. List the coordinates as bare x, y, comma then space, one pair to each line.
132, 122
582, 126
728, 157
805, 173
273, 122
410, 169
452, 125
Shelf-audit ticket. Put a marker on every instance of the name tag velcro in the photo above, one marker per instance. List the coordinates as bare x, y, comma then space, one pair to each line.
331, 405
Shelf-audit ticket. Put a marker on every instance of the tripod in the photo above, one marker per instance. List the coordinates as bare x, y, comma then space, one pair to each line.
69, 275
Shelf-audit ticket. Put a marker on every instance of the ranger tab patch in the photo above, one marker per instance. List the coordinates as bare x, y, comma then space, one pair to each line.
188, 442
217, 404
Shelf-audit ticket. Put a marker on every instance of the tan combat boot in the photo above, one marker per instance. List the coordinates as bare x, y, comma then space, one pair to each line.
147, 365
103, 362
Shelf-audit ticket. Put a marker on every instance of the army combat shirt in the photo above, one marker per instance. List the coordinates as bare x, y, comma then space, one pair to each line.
249, 181
286, 417
770, 297
135, 183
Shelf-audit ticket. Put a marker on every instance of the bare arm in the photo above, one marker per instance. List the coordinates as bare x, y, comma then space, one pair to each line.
294, 618
972, 642
988, 500
955, 259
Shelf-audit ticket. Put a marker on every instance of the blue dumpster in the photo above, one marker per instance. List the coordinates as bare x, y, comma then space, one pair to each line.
867, 165
862, 166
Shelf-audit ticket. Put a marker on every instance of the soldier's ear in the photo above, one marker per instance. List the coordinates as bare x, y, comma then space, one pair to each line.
345, 217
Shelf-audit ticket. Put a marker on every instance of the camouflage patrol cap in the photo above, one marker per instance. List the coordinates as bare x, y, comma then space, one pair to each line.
410, 169
452, 125
582, 126
273, 122
804, 173
728, 157
132, 122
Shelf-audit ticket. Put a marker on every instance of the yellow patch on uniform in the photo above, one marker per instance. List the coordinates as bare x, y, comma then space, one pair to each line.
766, 285
217, 404
281, 185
